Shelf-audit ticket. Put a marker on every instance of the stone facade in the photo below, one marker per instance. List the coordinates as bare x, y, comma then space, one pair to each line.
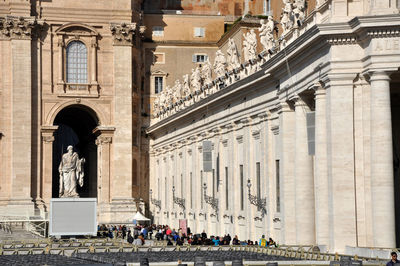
311, 125
37, 98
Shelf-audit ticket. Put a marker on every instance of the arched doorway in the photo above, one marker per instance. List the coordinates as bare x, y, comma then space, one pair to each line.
75, 127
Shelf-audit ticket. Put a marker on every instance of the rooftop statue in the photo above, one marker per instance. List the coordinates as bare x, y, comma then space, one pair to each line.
219, 64
233, 55
206, 72
250, 46
267, 33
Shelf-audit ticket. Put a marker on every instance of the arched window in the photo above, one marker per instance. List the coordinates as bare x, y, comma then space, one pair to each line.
77, 63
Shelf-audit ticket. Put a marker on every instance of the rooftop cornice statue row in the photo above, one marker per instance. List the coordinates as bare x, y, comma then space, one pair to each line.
228, 69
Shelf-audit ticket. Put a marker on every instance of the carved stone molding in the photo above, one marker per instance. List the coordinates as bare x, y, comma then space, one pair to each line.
342, 40
122, 33
255, 134
380, 33
17, 28
103, 140
224, 142
239, 139
48, 138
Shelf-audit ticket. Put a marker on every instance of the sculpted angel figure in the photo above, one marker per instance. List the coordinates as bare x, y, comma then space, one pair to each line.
267, 33
233, 55
219, 64
195, 79
71, 173
206, 72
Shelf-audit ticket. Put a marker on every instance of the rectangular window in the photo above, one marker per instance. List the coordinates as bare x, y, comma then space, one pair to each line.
158, 31
191, 190
158, 84
226, 189
241, 187
199, 32
278, 196
201, 194
199, 58
258, 173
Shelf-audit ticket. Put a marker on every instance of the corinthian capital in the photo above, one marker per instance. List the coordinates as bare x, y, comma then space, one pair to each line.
17, 28
123, 33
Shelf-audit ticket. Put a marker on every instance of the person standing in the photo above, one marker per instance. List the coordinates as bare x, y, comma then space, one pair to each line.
393, 259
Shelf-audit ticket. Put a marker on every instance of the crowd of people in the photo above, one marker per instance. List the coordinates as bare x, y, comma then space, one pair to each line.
138, 234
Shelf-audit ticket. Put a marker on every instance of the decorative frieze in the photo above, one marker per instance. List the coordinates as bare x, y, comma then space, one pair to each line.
342, 40
383, 33
122, 33
17, 28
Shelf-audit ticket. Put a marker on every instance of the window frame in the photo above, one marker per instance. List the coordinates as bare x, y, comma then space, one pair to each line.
66, 61
157, 29
202, 32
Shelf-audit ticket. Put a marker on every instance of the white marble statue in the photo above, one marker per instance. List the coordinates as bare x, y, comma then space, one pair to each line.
71, 173
298, 11
287, 17
219, 64
156, 104
177, 90
195, 79
186, 85
267, 33
250, 45
206, 72
232, 55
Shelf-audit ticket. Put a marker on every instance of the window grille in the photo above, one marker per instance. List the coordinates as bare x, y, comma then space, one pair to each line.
76, 63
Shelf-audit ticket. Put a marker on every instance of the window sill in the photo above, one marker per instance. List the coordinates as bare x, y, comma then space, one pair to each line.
83, 90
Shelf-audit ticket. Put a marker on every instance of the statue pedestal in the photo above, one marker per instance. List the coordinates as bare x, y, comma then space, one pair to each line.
73, 216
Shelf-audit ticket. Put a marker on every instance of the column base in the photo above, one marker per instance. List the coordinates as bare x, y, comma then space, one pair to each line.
118, 211
17, 207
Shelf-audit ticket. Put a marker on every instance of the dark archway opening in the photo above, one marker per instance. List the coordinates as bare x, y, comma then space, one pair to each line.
395, 106
75, 127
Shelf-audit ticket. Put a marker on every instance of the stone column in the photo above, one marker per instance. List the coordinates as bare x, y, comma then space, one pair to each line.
103, 142
304, 179
382, 162
321, 169
341, 174
288, 206
46, 184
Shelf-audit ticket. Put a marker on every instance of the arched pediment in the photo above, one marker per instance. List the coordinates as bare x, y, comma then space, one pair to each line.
77, 28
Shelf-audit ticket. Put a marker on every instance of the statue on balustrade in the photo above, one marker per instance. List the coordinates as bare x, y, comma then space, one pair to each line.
177, 91
186, 85
195, 79
287, 18
267, 33
71, 173
219, 64
233, 55
299, 11
206, 72
250, 45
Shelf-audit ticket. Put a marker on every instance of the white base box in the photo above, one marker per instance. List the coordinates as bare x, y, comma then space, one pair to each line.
73, 216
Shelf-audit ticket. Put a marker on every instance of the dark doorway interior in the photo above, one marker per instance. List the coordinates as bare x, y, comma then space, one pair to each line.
75, 126
395, 104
